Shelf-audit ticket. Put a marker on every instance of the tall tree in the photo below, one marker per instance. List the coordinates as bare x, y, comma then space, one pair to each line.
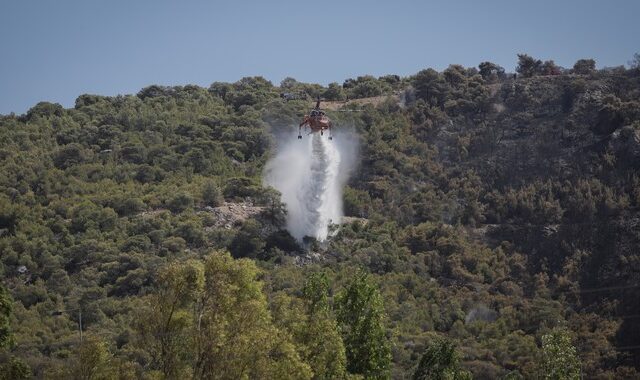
334, 92
324, 349
490, 70
5, 317
584, 66
440, 361
210, 321
165, 322
431, 87
211, 194
91, 360
550, 68
635, 62
559, 357
360, 314
234, 336
528, 66
11, 368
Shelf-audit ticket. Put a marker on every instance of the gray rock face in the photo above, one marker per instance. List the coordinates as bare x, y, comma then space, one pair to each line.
625, 142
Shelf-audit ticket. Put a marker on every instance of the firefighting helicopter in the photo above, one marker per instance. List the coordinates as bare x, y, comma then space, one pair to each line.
316, 121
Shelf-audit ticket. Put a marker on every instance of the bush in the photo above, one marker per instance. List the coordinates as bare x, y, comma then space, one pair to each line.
241, 187
69, 155
45, 109
174, 244
334, 92
128, 206
211, 194
180, 202
248, 242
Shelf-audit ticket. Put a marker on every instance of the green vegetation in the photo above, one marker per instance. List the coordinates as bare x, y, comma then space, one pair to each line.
560, 360
496, 237
210, 320
360, 316
11, 368
439, 362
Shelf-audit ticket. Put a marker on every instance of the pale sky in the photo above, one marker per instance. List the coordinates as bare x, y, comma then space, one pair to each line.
56, 50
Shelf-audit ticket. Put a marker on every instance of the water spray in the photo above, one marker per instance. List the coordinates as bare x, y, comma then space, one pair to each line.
311, 175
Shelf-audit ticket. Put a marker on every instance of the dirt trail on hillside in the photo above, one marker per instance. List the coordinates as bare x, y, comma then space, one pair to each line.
375, 101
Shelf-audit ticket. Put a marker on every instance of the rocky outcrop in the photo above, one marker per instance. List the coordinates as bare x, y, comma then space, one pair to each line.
230, 214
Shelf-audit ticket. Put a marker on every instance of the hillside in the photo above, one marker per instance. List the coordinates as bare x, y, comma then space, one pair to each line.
488, 212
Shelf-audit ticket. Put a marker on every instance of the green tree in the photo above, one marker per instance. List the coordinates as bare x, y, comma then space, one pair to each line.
250, 91
45, 109
440, 361
431, 87
323, 346
165, 320
490, 71
210, 321
528, 66
289, 83
234, 336
69, 155
275, 211
635, 62
366, 89
360, 315
11, 368
6, 306
334, 92
8, 216
92, 360
584, 66
550, 68
248, 242
211, 194
180, 202
316, 293
559, 357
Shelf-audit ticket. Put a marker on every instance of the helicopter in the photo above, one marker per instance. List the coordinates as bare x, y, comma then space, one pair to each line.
317, 121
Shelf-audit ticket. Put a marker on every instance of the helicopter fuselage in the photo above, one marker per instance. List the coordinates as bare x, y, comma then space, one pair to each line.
316, 123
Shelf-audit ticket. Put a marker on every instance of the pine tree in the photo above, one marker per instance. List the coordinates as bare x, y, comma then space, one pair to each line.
440, 362
360, 315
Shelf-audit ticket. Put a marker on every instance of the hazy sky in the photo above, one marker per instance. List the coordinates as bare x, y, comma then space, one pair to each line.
57, 50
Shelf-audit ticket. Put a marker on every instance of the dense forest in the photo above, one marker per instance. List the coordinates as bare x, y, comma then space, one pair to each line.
493, 231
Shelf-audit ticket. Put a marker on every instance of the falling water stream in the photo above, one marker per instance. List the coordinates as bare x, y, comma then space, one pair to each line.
310, 174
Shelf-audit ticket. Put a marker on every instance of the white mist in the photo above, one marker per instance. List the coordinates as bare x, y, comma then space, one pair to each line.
311, 173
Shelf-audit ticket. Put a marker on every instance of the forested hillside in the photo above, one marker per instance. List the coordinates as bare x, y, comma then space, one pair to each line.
493, 233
